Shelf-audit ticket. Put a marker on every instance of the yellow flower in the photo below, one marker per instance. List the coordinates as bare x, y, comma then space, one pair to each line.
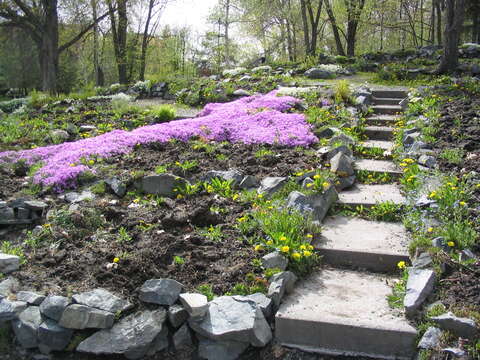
235, 197
317, 176
309, 185
179, 196
72, 165
242, 219
116, 260
47, 225
307, 253
285, 249
258, 247
462, 203
403, 164
136, 201
454, 188
310, 247
430, 229
478, 186
451, 243
326, 185
401, 265
269, 242
310, 236
283, 238
303, 247
432, 194
296, 256
259, 196
299, 174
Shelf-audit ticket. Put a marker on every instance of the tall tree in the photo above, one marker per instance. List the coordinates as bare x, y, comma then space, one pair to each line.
335, 29
311, 21
354, 12
453, 28
40, 20
117, 10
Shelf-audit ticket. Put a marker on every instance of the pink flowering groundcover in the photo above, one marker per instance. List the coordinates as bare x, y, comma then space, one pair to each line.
259, 119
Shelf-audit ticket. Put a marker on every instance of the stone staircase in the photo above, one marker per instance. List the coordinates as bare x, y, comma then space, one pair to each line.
343, 309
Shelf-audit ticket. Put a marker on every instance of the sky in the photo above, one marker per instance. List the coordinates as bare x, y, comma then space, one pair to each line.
192, 13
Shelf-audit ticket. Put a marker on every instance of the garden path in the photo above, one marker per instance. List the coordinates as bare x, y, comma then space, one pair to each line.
343, 310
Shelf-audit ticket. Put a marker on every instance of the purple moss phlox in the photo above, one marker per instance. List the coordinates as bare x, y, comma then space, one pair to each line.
256, 119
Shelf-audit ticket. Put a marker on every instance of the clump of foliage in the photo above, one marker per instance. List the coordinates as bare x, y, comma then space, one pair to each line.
163, 113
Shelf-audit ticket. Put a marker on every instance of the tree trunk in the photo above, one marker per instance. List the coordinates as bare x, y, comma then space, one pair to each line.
354, 11
48, 48
146, 35
439, 22
306, 30
227, 35
96, 65
453, 29
119, 33
336, 33
476, 23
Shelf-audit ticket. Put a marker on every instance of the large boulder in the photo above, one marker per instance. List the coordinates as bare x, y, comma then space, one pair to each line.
233, 319
160, 291
315, 205
195, 304
271, 185
316, 73
81, 317
162, 184
103, 300
131, 337
419, 286
9, 310
26, 327
54, 336
463, 327
9, 263
53, 306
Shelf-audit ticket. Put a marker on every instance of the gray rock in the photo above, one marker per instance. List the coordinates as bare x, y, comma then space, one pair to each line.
6, 215
35, 205
345, 182
234, 72
245, 78
263, 303
9, 263
177, 315
59, 135
409, 139
121, 340
326, 132
195, 304
26, 327
232, 175
30, 297
280, 284
467, 254
160, 291
306, 182
339, 149
431, 339
463, 327
341, 165
233, 319
53, 336
455, 352
103, 300
162, 184
87, 128
427, 160
75, 198
9, 310
117, 186
315, 205
220, 350
423, 261
419, 286
53, 306
342, 139
363, 100
315, 73
159, 343
241, 92
8, 286
182, 338
439, 242
248, 182
264, 68
81, 317
271, 185
274, 260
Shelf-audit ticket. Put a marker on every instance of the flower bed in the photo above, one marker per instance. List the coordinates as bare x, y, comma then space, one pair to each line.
255, 119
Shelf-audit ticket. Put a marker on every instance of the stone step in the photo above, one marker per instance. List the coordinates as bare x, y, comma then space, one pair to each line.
387, 109
390, 94
379, 132
386, 101
382, 120
370, 245
341, 312
385, 145
378, 166
370, 195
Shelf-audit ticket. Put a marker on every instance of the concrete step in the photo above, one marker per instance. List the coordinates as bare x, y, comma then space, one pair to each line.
340, 312
378, 166
369, 195
370, 245
387, 109
382, 120
386, 101
383, 133
385, 145
390, 94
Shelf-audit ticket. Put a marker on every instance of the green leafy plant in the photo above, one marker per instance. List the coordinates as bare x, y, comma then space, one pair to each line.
178, 260
123, 235
187, 166
161, 169
263, 152
163, 113
207, 290
342, 92
452, 156
220, 187
212, 233
8, 248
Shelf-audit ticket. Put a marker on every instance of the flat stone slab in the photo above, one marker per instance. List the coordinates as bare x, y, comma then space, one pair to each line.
387, 109
386, 101
379, 119
383, 133
340, 312
372, 245
397, 93
385, 145
378, 166
369, 195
